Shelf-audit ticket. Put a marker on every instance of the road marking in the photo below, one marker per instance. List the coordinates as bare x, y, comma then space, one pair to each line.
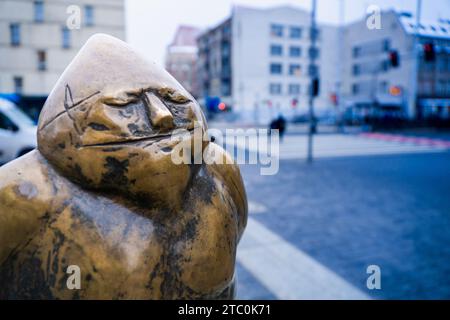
288, 272
256, 207
342, 145
408, 139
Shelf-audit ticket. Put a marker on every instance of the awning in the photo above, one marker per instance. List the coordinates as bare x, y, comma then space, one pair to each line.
389, 100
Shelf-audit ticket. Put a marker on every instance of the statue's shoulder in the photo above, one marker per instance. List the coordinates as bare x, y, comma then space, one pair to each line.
221, 165
31, 170
26, 194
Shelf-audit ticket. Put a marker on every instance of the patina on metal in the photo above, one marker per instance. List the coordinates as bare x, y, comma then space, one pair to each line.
101, 191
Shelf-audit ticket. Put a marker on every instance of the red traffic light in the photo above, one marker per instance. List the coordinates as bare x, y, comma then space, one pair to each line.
394, 58
315, 87
222, 106
429, 52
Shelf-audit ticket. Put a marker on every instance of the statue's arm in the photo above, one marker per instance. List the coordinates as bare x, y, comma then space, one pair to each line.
223, 165
24, 200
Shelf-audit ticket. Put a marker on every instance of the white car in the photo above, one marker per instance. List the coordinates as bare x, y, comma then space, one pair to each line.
17, 132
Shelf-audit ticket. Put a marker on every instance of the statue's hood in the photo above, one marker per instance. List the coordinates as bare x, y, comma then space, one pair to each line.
104, 65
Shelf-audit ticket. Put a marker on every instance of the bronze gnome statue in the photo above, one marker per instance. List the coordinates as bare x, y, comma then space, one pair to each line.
101, 198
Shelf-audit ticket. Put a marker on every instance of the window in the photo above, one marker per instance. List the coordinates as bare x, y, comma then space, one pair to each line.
314, 33
14, 29
276, 30
6, 123
442, 63
18, 85
225, 48
89, 15
383, 87
275, 88
294, 89
440, 87
356, 52
276, 68
355, 89
384, 65
226, 30
295, 51
313, 53
295, 32
370, 67
276, 50
294, 70
427, 87
38, 11
42, 60
226, 89
313, 70
65, 38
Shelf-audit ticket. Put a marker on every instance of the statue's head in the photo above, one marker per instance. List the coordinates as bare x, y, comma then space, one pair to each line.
108, 123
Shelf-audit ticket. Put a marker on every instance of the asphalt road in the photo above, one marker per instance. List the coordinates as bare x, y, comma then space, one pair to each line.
390, 210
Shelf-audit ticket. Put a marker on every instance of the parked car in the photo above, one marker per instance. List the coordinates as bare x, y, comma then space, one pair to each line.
17, 132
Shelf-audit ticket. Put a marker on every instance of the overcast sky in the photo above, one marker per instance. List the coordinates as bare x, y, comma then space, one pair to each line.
151, 24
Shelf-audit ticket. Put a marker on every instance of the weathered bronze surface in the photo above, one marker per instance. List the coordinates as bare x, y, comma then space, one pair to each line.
101, 192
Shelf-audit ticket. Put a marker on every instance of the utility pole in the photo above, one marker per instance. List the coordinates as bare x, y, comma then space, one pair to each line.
415, 71
340, 69
314, 80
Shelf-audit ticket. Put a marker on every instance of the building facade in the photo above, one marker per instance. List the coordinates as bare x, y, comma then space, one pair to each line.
386, 71
37, 42
257, 62
181, 58
215, 63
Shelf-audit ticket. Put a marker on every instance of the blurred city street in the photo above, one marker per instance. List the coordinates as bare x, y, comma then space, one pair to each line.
314, 229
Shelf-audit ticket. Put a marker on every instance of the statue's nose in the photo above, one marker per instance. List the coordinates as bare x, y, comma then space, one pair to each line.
160, 116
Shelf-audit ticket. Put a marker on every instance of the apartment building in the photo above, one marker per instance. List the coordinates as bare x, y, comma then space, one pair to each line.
389, 70
181, 58
257, 62
37, 43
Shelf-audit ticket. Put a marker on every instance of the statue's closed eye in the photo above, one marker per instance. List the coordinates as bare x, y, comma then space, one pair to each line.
119, 99
123, 98
173, 96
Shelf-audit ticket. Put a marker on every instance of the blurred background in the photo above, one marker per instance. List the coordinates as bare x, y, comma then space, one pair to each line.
359, 89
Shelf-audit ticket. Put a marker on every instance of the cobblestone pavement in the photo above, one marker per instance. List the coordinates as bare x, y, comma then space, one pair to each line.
346, 213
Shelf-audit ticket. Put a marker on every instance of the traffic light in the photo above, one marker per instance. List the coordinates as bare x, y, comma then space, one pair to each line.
429, 52
315, 87
394, 58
